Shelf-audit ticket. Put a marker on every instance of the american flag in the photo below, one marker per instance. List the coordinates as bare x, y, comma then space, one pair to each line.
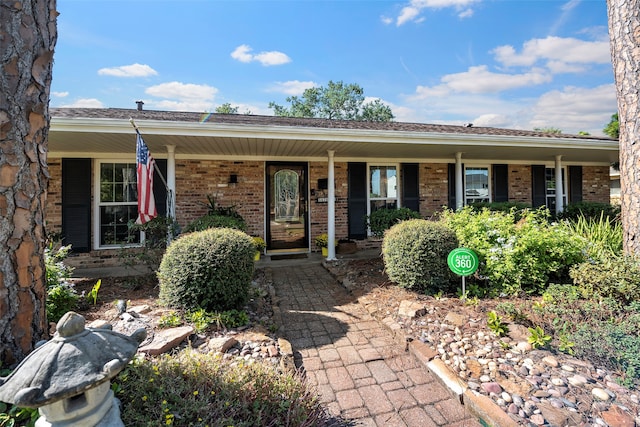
146, 202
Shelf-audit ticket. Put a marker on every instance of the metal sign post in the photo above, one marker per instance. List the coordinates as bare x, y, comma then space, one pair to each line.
463, 261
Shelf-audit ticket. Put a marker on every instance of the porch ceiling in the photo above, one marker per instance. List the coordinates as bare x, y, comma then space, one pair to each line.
91, 138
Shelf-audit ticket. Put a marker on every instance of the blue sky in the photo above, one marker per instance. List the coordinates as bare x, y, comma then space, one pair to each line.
505, 63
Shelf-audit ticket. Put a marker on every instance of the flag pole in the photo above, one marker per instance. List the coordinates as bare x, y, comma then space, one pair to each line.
166, 186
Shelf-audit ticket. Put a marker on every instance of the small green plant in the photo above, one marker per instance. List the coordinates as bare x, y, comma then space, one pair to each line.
496, 324
61, 295
259, 243
93, 295
11, 415
566, 345
538, 338
200, 319
516, 314
322, 241
169, 320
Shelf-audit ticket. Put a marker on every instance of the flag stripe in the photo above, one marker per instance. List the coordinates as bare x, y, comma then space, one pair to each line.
145, 167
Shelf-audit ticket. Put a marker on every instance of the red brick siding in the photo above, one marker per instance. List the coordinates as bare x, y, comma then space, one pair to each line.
595, 184
520, 184
434, 188
53, 209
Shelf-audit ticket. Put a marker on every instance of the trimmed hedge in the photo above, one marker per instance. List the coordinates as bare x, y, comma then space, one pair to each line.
415, 255
210, 269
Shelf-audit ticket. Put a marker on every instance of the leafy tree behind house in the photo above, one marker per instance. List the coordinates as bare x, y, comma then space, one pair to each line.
548, 130
336, 101
226, 108
29, 33
625, 42
613, 127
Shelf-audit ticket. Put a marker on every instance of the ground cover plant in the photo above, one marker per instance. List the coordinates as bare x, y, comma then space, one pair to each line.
195, 389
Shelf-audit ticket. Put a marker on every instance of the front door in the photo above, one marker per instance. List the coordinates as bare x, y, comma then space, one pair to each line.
287, 216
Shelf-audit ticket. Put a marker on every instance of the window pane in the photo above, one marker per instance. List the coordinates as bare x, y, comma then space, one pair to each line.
477, 185
114, 228
383, 182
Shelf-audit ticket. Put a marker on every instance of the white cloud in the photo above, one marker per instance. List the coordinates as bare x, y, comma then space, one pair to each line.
85, 103
60, 94
411, 12
179, 90
182, 96
292, 87
492, 120
386, 20
243, 54
555, 50
575, 109
133, 70
479, 79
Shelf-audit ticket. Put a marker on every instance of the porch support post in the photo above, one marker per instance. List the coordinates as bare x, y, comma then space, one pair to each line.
171, 181
459, 182
559, 185
331, 208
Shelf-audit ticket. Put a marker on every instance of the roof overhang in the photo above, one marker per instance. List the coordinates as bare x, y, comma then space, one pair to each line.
98, 137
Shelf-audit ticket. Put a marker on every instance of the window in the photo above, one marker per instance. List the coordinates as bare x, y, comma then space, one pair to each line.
383, 188
476, 184
117, 204
550, 178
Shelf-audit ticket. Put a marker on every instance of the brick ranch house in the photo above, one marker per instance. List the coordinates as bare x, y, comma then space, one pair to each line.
293, 179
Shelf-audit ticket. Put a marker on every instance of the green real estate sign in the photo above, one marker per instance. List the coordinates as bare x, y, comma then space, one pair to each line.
463, 261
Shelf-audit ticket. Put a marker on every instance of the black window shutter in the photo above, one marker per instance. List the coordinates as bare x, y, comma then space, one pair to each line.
575, 184
500, 175
538, 186
76, 204
357, 205
411, 186
159, 189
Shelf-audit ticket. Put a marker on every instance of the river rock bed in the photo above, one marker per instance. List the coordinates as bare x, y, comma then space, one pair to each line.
535, 387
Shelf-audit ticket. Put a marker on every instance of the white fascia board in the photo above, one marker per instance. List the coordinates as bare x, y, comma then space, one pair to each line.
162, 127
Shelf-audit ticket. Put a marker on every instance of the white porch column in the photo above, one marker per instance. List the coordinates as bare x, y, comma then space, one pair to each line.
559, 186
171, 179
331, 208
459, 182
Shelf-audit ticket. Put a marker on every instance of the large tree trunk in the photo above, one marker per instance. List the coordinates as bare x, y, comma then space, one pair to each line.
27, 38
624, 32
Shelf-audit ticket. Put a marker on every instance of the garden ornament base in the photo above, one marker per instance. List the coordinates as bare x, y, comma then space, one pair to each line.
68, 377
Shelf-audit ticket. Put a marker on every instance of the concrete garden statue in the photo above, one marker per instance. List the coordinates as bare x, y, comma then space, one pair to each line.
68, 377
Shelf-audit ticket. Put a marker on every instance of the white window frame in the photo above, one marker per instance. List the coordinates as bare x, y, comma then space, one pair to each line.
489, 189
98, 204
550, 198
398, 187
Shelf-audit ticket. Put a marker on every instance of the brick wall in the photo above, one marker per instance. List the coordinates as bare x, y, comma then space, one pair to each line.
520, 184
53, 210
195, 179
595, 184
434, 184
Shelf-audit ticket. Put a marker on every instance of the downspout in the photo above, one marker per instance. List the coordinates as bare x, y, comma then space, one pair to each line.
331, 209
171, 179
559, 186
171, 184
459, 182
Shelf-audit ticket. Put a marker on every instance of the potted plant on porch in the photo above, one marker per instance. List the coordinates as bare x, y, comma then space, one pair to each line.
322, 241
259, 244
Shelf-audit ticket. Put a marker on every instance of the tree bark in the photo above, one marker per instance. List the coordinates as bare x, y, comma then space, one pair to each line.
624, 32
27, 39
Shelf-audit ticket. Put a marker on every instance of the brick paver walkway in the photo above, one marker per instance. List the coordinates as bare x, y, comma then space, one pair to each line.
364, 377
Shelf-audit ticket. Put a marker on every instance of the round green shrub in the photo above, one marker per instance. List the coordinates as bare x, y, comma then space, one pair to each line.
211, 269
415, 255
216, 221
383, 219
